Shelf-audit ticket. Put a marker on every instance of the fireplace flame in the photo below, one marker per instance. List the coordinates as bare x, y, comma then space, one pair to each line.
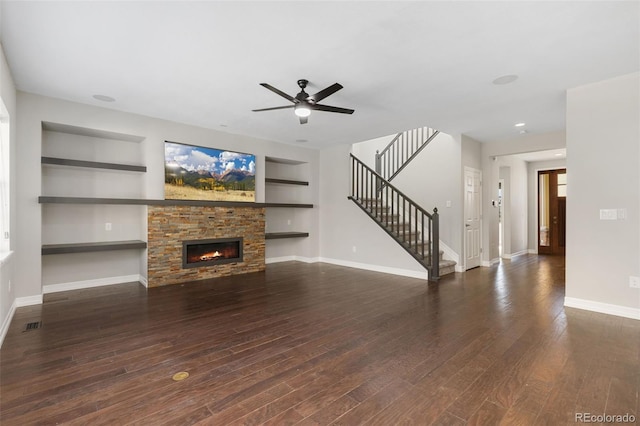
210, 256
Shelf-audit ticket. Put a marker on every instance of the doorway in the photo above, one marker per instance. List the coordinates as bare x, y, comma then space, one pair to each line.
472, 217
552, 204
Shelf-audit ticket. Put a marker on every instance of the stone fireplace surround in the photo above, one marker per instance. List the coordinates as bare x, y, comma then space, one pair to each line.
169, 226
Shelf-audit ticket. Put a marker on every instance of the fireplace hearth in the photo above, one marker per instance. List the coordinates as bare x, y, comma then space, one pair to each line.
200, 253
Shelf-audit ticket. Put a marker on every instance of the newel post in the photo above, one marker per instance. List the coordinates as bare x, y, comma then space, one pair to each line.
435, 246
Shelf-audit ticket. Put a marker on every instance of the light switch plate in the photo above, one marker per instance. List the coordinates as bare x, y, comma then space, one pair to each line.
608, 214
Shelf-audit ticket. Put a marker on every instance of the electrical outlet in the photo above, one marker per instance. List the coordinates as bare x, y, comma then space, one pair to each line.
353, 249
107, 226
9, 286
634, 282
288, 221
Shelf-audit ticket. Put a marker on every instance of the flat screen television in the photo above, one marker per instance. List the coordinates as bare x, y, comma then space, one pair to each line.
200, 173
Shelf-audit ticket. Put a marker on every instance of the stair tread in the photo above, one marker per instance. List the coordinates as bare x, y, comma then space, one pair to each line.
406, 231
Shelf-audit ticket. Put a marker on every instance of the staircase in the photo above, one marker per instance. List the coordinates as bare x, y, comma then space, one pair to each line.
416, 230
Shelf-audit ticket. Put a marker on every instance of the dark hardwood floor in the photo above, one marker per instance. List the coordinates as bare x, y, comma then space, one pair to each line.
322, 344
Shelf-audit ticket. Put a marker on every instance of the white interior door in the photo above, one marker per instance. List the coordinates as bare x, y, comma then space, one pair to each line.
472, 217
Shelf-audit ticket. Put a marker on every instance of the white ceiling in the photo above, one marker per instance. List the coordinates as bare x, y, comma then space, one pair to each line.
402, 64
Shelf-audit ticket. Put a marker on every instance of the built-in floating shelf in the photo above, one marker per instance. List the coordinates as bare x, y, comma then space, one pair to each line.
294, 205
92, 164
286, 181
147, 202
81, 200
92, 247
93, 133
278, 235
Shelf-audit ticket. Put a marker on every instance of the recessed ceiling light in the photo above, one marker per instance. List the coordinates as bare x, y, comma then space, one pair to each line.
302, 140
522, 132
223, 125
505, 79
104, 98
519, 124
559, 154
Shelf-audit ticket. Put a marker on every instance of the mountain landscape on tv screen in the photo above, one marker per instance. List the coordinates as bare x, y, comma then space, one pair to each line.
199, 173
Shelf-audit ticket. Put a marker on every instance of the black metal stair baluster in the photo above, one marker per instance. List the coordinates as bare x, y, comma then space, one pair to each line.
435, 252
404, 210
386, 198
353, 178
359, 173
416, 221
422, 233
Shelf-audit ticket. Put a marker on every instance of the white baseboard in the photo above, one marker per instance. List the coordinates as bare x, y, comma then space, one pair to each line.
489, 263
17, 303
365, 266
280, 259
7, 322
292, 258
377, 268
459, 268
143, 281
603, 308
512, 255
79, 285
533, 251
28, 301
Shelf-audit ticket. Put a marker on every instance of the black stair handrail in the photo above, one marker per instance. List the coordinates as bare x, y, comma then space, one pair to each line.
419, 234
402, 149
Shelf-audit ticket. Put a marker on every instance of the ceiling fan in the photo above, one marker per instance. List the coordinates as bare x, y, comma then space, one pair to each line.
303, 103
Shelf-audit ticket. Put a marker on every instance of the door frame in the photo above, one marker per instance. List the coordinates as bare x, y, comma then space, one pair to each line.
501, 216
537, 201
464, 215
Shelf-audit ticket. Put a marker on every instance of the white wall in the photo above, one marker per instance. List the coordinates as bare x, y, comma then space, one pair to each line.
603, 163
490, 175
532, 170
514, 205
471, 153
7, 269
33, 109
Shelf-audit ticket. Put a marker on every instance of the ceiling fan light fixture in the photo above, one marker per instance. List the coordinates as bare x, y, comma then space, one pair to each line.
302, 110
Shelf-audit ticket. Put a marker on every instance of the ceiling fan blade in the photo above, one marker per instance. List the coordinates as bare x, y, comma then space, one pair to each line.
328, 108
279, 92
325, 92
271, 109
303, 120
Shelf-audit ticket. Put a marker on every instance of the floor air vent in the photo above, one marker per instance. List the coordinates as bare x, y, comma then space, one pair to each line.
33, 326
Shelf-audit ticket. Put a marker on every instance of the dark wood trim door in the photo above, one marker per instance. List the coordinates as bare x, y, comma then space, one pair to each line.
552, 202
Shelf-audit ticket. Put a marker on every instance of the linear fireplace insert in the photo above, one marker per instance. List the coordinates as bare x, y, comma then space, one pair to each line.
199, 253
